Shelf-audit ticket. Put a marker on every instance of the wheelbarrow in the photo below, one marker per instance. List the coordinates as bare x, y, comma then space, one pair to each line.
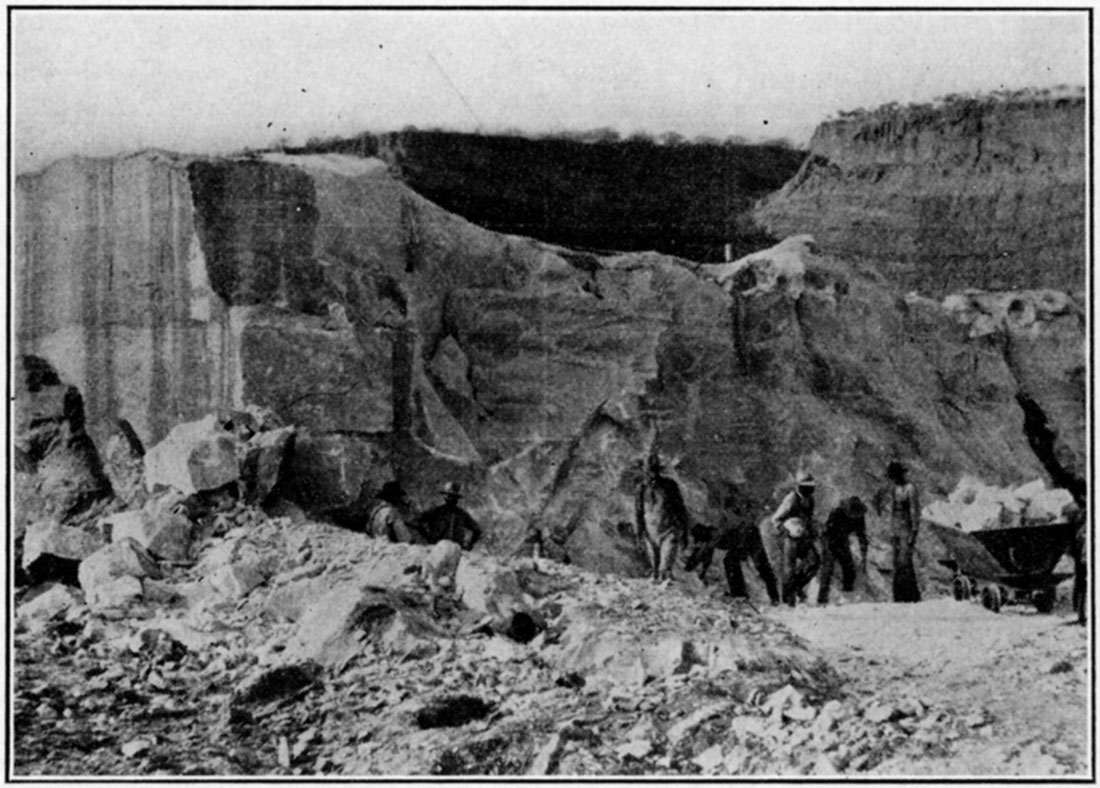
1007, 565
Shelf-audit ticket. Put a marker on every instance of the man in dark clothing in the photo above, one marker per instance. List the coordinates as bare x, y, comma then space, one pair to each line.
449, 521
1079, 552
846, 520
740, 538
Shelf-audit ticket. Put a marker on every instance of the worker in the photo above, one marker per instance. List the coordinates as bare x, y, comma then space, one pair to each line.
660, 519
387, 519
846, 520
739, 536
794, 522
904, 519
449, 521
1079, 552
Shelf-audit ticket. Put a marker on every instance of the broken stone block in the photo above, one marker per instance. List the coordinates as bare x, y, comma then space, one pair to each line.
99, 571
236, 567
879, 713
780, 702
486, 587
635, 748
168, 536
48, 537
710, 759
136, 747
195, 456
51, 601
671, 656
117, 592
442, 565
332, 630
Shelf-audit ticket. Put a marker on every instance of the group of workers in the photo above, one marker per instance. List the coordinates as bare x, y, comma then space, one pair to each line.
391, 518
664, 529
663, 526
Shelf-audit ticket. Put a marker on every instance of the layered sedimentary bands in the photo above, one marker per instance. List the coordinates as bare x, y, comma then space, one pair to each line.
403, 340
971, 192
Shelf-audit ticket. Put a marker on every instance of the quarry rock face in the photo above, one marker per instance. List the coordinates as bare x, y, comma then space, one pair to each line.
404, 342
56, 461
983, 192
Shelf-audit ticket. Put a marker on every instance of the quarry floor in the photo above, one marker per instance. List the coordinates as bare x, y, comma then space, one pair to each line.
1029, 672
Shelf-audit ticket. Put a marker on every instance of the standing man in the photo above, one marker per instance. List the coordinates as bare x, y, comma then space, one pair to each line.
660, 519
794, 520
449, 521
904, 519
387, 517
846, 520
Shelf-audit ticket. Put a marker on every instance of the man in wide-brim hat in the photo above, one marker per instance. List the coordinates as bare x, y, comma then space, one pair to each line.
449, 520
794, 521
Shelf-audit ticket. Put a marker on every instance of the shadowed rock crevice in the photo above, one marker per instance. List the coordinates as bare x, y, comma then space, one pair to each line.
1043, 441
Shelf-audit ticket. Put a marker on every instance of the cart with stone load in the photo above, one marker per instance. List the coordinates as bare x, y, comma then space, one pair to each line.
1011, 565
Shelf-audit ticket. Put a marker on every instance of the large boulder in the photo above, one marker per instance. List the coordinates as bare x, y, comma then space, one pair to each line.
52, 539
338, 626
195, 456
112, 575
47, 604
236, 566
166, 535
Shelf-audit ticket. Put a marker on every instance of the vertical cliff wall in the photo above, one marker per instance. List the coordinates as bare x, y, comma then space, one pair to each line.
986, 193
406, 341
112, 287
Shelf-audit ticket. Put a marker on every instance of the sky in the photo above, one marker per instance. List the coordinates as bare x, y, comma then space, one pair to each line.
102, 82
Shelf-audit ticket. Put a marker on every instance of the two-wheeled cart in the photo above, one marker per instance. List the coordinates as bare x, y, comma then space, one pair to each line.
1007, 565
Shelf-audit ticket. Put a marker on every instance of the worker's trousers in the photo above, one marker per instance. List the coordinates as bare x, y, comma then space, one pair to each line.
836, 552
661, 552
800, 563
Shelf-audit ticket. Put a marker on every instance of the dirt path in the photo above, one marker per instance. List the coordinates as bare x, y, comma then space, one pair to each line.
1022, 676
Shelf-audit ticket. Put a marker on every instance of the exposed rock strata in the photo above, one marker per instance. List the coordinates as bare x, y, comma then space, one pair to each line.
405, 341
970, 193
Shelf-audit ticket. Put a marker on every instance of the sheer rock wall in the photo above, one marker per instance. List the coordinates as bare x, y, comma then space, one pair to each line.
405, 341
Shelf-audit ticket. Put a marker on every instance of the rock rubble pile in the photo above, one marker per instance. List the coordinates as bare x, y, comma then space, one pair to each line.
291, 647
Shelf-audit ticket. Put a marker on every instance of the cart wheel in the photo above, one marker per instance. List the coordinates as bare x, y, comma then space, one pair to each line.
991, 599
958, 586
1044, 600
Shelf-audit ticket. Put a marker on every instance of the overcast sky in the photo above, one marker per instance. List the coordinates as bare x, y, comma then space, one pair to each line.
104, 82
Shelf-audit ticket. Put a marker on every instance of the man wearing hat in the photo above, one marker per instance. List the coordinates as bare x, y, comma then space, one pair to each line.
794, 520
449, 521
387, 518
